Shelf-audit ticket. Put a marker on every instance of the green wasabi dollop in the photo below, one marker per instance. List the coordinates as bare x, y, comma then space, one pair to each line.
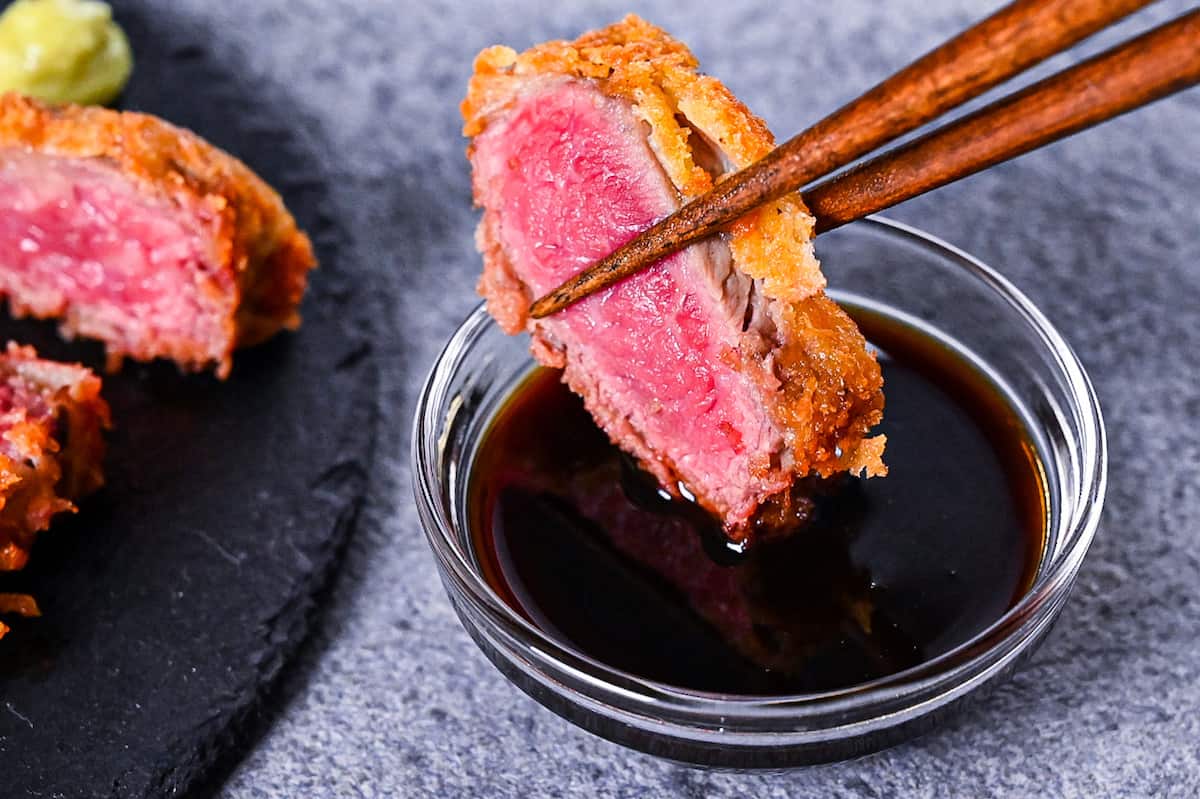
63, 51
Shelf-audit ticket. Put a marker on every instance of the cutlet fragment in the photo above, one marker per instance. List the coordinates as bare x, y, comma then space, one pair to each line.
725, 369
17, 605
142, 235
52, 419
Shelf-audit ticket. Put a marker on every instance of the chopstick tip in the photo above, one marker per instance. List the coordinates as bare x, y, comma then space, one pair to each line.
547, 305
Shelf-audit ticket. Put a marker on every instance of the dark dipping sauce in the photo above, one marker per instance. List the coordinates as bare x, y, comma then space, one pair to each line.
886, 574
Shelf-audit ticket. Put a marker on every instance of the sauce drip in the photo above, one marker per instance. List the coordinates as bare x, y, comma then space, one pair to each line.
887, 573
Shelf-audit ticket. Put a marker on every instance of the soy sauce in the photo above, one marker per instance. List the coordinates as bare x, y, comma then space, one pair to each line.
886, 574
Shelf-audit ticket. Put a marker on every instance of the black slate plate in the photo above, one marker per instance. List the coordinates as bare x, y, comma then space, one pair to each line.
173, 598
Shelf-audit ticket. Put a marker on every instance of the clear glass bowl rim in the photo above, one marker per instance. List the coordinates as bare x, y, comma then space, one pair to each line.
730, 719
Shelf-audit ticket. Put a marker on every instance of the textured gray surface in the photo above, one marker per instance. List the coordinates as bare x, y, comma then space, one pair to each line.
1103, 232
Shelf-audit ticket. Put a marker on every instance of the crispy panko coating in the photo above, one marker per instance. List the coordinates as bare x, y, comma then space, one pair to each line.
52, 419
259, 254
17, 605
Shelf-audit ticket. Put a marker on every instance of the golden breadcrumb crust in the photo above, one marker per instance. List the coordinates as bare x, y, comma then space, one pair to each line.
831, 384
47, 461
255, 241
17, 605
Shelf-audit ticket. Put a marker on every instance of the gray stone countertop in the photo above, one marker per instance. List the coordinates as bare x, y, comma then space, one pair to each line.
390, 698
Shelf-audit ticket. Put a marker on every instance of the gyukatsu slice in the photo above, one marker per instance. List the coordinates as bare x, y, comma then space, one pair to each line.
724, 369
142, 235
52, 419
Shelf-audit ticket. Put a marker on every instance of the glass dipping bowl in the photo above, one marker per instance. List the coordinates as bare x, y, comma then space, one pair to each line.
875, 263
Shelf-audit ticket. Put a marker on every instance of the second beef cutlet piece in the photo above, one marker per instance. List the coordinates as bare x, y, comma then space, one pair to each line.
142, 235
52, 419
724, 369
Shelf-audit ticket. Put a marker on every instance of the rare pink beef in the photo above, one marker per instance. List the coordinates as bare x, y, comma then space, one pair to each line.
654, 357
79, 241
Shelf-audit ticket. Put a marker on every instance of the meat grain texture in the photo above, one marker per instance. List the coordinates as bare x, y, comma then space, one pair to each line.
724, 369
142, 235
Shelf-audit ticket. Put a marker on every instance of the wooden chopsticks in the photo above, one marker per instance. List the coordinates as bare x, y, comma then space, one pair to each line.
1154, 65
1018, 36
